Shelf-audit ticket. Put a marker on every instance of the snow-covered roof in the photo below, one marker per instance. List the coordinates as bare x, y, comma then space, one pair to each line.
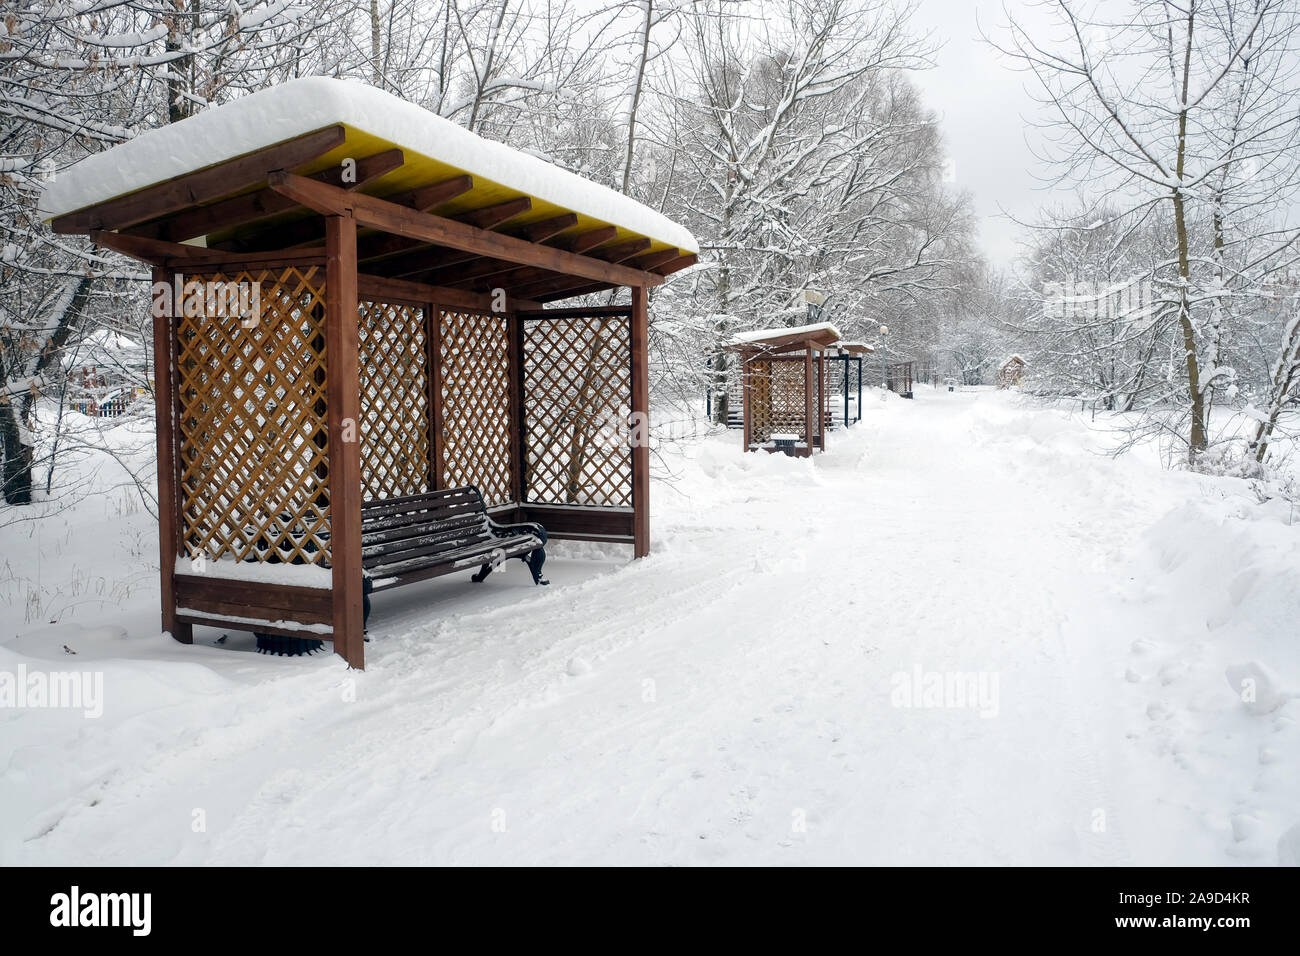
1014, 357
434, 149
105, 347
855, 348
823, 333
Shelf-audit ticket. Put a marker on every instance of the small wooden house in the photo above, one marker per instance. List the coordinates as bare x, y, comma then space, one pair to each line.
106, 371
1011, 374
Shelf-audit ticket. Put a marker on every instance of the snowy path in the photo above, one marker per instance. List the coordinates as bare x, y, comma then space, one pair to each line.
740, 705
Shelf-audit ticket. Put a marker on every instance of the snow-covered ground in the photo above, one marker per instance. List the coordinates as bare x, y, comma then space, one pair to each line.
762, 689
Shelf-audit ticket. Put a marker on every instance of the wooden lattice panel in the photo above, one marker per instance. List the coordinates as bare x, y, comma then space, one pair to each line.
251, 420
474, 367
394, 401
577, 376
776, 395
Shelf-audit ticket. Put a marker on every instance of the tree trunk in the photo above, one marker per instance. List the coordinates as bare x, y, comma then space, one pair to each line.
584, 423
1285, 375
180, 73
376, 70
19, 455
722, 401
636, 94
17, 480
1197, 442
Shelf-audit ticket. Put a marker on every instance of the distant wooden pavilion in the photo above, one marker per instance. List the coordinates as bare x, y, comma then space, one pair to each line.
403, 343
1012, 372
783, 371
899, 377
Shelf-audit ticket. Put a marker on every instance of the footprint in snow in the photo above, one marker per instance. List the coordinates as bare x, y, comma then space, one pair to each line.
1256, 687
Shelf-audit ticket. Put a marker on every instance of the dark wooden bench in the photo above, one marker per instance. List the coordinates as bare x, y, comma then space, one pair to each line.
440, 532
410, 539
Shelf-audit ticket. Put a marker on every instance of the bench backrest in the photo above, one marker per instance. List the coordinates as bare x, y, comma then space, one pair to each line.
424, 524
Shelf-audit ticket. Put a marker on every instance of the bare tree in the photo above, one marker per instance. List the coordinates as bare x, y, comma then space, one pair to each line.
807, 162
75, 79
1176, 105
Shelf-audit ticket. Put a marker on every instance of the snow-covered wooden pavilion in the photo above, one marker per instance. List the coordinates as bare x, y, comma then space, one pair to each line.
783, 371
399, 338
1011, 372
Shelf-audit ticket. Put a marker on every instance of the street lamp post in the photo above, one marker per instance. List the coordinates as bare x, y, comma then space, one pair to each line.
884, 373
815, 302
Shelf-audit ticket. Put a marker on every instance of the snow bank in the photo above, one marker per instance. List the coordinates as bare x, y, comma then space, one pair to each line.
1000, 419
1221, 681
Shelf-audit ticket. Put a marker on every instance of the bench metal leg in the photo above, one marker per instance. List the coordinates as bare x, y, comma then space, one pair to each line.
535, 560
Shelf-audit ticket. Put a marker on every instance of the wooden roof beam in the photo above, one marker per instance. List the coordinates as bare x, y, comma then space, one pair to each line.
678, 264
514, 274
544, 229
402, 290
424, 261
489, 217
569, 293
623, 251
202, 186
143, 248
538, 289
307, 231
262, 204
588, 240
435, 194
401, 221
175, 255
582, 243
546, 290
655, 259
579, 244
486, 268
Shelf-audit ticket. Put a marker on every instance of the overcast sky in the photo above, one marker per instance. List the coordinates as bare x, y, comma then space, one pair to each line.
982, 104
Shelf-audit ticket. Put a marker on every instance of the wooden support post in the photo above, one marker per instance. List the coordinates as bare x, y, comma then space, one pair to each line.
639, 426
433, 342
808, 423
518, 410
343, 398
821, 396
745, 399
858, 417
846, 391
170, 521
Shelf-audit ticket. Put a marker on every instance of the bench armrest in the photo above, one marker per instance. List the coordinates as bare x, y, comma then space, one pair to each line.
510, 530
535, 558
